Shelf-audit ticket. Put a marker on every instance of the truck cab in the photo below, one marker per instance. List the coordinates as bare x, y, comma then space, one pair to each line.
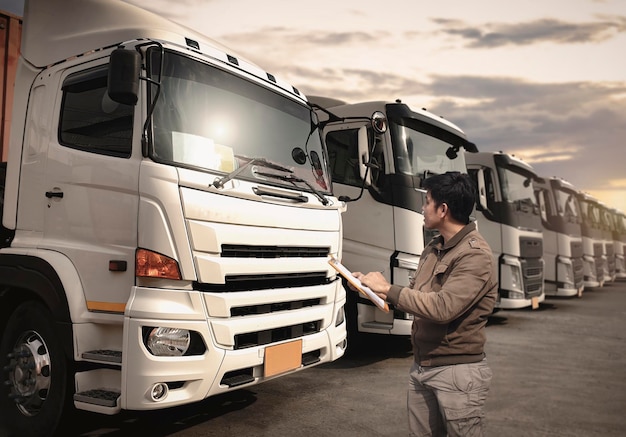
608, 224
562, 237
379, 153
594, 256
619, 242
508, 217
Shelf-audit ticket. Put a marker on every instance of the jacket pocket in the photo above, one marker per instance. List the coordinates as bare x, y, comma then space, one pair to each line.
439, 277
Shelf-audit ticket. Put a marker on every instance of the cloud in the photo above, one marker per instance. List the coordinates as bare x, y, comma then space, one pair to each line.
580, 123
333, 40
617, 183
544, 30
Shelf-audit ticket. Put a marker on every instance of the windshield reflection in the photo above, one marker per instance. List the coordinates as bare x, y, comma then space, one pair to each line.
567, 206
417, 153
518, 188
211, 120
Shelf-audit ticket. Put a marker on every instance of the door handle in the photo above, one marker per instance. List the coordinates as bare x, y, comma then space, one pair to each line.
51, 194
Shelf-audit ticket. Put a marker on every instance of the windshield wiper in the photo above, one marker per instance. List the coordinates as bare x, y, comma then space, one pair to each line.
295, 179
219, 182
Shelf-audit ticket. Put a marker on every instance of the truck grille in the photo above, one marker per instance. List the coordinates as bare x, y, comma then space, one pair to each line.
241, 251
577, 265
257, 338
264, 282
530, 247
273, 307
576, 248
532, 269
597, 250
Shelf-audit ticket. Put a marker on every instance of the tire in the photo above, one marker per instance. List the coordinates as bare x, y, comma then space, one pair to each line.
34, 393
6, 235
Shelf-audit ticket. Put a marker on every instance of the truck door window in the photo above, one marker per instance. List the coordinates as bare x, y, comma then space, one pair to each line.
344, 156
90, 120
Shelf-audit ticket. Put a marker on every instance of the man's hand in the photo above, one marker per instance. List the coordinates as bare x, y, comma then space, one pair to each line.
375, 281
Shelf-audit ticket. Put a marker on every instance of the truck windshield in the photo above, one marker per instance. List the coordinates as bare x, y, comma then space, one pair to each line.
417, 153
590, 213
620, 223
211, 120
567, 206
517, 188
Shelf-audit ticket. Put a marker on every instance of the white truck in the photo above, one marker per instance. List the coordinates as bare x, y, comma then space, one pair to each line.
508, 217
167, 221
379, 154
619, 242
594, 257
607, 224
562, 237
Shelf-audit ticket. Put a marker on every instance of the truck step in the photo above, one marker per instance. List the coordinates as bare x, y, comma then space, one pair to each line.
102, 355
311, 358
235, 380
102, 397
377, 325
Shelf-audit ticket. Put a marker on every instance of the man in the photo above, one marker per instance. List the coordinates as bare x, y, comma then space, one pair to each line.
451, 296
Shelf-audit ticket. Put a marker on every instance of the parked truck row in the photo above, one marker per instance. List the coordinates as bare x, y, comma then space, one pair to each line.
169, 209
540, 230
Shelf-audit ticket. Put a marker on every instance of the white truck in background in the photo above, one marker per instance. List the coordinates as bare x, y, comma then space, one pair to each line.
167, 221
379, 153
508, 217
594, 258
607, 223
619, 242
562, 237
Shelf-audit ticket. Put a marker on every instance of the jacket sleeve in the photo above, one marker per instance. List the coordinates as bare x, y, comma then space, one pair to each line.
469, 280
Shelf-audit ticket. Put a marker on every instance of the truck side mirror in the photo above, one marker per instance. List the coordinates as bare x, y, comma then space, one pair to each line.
541, 198
482, 191
364, 155
123, 82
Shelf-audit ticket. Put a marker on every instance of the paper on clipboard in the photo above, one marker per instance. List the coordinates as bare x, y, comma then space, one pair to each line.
343, 271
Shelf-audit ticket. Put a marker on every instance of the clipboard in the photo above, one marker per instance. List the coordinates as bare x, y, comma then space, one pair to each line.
364, 290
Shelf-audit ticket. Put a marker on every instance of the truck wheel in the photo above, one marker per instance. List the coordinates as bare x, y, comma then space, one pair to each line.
34, 373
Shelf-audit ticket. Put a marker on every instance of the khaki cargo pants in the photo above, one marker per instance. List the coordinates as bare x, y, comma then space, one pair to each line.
448, 400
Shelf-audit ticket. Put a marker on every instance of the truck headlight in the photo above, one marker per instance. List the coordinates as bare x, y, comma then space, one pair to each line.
341, 316
168, 342
565, 272
511, 276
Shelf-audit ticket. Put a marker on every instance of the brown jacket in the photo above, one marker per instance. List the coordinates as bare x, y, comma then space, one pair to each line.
451, 296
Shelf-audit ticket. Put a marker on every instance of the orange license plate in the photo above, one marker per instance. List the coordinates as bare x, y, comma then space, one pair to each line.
535, 302
282, 358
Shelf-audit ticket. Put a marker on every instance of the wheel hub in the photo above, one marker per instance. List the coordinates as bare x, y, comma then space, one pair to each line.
29, 373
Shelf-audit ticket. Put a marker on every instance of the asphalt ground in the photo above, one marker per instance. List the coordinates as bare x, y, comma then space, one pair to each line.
559, 370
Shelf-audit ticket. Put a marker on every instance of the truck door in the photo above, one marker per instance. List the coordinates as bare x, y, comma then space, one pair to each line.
91, 188
367, 223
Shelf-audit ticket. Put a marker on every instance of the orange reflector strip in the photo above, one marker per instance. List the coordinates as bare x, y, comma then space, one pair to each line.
108, 307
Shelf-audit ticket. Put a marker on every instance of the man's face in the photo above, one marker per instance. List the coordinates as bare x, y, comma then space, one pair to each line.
432, 213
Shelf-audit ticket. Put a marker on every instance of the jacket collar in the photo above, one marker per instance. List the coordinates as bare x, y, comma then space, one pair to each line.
457, 237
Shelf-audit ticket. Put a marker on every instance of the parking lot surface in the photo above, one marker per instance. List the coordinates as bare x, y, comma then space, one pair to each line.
559, 370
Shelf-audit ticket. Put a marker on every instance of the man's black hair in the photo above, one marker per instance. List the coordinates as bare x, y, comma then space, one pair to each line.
455, 189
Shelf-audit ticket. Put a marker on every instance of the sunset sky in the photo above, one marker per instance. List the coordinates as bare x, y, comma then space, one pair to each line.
543, 80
